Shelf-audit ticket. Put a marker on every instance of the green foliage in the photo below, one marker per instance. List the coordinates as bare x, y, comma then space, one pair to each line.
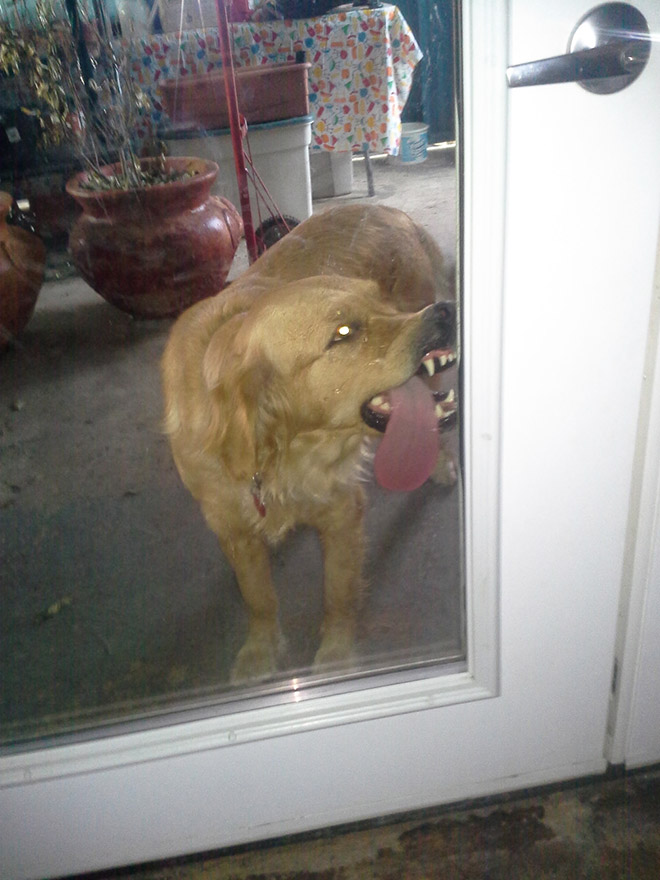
95, 106
32, 52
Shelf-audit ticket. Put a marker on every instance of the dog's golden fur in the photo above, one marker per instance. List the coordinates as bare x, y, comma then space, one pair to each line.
263, 401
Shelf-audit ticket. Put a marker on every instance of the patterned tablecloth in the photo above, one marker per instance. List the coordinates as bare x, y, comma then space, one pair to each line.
362, 60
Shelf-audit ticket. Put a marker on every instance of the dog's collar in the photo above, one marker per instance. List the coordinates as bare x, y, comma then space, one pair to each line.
257, 494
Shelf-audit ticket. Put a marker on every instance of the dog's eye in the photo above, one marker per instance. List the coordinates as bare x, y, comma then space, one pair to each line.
344, 332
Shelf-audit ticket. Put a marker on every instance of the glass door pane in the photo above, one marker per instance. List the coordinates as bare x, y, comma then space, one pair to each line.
117, 602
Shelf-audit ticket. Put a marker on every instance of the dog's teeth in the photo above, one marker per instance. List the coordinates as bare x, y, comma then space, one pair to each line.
430, 366
439, 411
381, 403
443, 360
450, 396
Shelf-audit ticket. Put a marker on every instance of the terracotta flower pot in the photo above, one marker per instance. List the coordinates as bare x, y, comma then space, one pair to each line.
155, 251
266, 92
22, 259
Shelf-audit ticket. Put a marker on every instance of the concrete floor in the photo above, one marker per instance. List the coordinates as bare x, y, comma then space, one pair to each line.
605, 830
115, 599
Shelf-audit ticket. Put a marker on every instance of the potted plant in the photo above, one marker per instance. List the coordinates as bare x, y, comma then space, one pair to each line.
22, 259
155, 248
150, 239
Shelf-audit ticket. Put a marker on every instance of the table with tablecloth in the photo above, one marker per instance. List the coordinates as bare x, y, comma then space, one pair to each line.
362, 66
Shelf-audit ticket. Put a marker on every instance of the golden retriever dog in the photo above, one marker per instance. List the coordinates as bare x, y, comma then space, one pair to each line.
274, 387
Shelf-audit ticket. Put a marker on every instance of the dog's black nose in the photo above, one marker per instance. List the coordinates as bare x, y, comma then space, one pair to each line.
439, 326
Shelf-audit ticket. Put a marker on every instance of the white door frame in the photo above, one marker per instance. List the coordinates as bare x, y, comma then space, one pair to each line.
633, 732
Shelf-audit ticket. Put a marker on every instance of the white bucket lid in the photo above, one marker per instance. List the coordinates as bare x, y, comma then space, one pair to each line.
412, 128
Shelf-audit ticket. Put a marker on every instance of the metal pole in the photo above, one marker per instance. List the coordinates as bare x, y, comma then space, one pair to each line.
86, 66
235, 129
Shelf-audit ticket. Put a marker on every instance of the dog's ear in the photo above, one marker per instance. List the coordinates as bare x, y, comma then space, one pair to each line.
233, 379
222, 356
251, 423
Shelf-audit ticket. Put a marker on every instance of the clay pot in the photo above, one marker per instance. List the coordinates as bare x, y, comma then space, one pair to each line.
155, 251
22, 259
266, 93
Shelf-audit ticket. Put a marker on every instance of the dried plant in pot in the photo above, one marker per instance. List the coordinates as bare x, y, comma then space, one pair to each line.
154, 250
151, 238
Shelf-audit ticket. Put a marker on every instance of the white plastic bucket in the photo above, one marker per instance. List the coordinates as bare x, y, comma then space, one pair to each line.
280, 153
414, 141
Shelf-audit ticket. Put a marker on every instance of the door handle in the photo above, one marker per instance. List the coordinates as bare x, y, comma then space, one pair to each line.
608, 50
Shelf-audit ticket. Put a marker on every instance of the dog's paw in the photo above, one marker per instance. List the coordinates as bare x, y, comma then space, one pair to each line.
257, 660
446, 469
336, 648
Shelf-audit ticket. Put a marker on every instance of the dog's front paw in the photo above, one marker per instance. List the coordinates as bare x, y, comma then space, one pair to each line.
258, 659
336, 648
445, 472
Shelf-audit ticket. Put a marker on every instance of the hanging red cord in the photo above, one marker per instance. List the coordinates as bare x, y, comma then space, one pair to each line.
236, 128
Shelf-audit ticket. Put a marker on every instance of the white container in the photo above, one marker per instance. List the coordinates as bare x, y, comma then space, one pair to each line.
414, 142
183, 15
332, 173
280, 154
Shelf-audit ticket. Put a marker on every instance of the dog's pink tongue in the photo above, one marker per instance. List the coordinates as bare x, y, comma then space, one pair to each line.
409, 450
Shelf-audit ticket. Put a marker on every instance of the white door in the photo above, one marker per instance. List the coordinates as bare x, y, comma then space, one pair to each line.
561, 204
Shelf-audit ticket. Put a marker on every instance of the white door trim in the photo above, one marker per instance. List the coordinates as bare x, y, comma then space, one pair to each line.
641, 572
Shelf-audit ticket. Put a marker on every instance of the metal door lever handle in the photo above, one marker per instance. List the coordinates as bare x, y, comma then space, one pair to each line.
615, 59
607, 51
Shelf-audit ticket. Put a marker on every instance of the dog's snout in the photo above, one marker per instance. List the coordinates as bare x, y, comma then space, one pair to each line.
439, 325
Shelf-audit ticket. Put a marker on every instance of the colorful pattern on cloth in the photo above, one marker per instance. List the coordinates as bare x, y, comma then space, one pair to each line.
362, 65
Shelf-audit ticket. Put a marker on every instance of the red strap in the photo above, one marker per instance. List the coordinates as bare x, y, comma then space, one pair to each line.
258, 503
